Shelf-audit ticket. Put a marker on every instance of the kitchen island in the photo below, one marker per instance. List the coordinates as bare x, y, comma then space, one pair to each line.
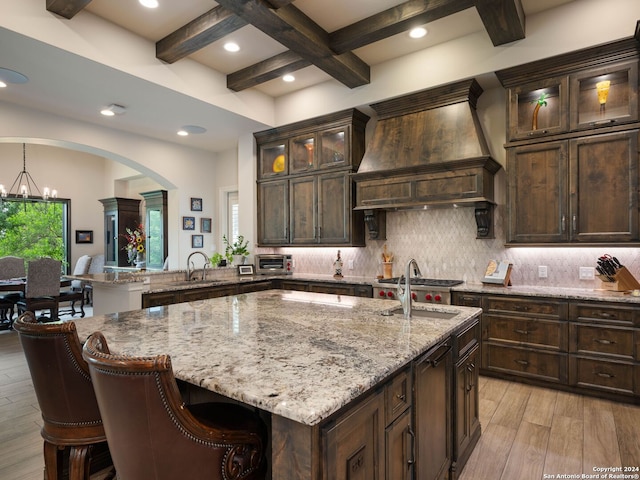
308, 360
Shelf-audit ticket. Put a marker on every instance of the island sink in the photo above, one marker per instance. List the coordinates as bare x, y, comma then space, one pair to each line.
419, 313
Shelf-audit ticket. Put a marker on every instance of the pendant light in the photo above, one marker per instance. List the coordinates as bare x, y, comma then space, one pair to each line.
25, 186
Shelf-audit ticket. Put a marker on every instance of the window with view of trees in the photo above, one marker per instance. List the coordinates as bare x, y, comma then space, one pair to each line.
35, 229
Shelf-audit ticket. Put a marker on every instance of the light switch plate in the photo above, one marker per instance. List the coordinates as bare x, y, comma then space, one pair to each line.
350, 264
587, 273
542, 271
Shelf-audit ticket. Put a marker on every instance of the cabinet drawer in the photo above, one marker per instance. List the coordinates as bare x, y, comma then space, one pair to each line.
397, 396
609, 375
527, 306
526, 331
466, 339
606, 340
549, 366
466, 299
599, 312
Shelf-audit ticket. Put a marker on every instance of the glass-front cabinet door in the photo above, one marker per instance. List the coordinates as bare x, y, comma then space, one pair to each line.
302, 153
334, 148
273, 160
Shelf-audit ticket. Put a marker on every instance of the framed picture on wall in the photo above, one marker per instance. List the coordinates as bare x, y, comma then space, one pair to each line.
197, 241
84, 236
196, 204
188, 223
205, 225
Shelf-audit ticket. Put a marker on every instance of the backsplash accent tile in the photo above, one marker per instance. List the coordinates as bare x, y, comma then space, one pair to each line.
443, 241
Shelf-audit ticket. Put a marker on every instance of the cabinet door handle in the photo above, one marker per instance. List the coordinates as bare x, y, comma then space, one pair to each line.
521, 308
605, 315
537, 132
412, 442
436, 362
401, 397
603, 122
563, 223
574, 221
605, 342
522, 362
605, 375
523, 332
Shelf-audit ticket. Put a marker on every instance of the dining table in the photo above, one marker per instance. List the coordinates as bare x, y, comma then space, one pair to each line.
18, 285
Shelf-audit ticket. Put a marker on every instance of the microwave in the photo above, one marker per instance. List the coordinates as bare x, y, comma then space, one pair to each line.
274, 264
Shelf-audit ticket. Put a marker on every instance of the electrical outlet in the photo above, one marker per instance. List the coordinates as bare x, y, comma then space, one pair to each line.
350, 264
587, 273
542, 271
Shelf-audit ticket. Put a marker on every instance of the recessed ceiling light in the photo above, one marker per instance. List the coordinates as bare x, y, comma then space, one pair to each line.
191, 129
183, 133
232, 47
418, 32
11, 76
112, 110
2, 84
149, 3
288, 78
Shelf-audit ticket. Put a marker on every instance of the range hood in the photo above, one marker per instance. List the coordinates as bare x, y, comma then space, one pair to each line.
427, 149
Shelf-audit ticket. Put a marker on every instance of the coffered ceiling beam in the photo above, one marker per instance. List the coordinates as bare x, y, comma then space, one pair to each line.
66, 8
266, 70
197, 34
293, 29
395, 20
504, 20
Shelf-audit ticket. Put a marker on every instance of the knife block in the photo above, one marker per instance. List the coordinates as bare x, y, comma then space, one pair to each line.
624, 281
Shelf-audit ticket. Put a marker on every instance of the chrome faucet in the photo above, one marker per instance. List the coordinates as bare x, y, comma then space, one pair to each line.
191, 267
404, 292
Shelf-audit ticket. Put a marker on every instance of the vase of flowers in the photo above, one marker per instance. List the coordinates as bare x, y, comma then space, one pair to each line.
135, 246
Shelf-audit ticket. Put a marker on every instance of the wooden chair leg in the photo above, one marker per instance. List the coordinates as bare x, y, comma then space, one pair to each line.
79, 461
51, 465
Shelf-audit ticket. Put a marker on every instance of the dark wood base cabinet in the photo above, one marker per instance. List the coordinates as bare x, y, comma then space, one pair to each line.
586, 347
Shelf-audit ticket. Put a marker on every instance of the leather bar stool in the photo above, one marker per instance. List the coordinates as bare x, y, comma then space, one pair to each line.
152, 435
70, 414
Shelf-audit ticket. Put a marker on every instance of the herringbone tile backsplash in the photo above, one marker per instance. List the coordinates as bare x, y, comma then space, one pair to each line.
444, 243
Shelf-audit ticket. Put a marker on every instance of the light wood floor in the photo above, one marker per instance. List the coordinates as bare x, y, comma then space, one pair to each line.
527, 432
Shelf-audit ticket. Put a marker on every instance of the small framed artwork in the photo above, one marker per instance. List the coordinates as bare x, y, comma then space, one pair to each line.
245, 269
205, 225
196, 204
188, 223
84, 236
197, 241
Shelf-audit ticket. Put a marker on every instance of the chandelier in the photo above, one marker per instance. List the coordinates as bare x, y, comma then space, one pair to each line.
25, 186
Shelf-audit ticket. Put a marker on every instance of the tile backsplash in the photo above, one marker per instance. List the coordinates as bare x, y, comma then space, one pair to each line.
443, 241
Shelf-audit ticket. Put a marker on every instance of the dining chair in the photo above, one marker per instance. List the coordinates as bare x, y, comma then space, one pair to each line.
97, 266
76, 292
42, 288
10, 267
153, 435
72, 425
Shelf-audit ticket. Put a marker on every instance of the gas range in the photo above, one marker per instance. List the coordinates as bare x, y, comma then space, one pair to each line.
423, 290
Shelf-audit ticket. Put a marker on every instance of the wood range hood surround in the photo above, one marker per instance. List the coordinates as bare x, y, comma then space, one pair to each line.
427, 149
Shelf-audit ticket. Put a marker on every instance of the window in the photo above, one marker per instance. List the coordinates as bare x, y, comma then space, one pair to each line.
35, 229
233, 227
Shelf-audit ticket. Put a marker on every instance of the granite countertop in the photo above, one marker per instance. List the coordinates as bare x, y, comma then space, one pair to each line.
555, 292
299, 355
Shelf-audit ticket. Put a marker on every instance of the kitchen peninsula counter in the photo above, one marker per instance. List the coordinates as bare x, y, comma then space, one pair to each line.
299, 356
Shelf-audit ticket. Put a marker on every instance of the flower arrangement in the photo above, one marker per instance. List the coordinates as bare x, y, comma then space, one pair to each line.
135, 243
239, 247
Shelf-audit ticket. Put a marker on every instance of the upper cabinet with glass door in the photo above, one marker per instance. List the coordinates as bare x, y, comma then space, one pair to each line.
273, 159
334, 147
603, 97
538, 109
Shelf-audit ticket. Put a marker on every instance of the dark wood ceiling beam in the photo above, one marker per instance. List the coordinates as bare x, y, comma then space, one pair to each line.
66, 8
279, 3
266, 70
395, 20
504, 20
207, 28
293, 29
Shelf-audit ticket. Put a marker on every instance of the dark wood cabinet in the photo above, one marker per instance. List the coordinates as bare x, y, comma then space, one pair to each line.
335, 288
119, 214
583, 190
399, 458
572, 151
588, 347
432, 412
311, 201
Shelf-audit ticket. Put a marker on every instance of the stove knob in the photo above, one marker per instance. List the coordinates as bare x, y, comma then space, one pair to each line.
437, 298
381, 293
414, 296
390, 294
428, 297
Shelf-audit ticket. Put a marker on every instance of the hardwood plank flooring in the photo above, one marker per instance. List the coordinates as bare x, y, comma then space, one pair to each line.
534, 433
528, 433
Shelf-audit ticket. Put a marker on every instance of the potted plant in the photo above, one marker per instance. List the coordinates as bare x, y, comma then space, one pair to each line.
237, 251
218, 260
